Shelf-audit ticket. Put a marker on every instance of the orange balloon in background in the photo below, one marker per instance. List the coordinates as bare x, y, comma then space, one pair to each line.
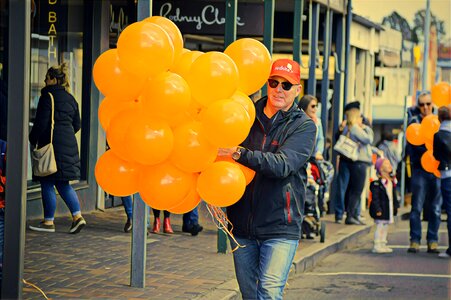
429, 144
246, 102
441, 94
222, 184
145, 49
249, 174
212, 76
190, 202
428, 162
148, 141
429, 126
166, 95
192, 152
112, 80
117, 131
116, 176
253, 61
413, 134
111, 106
164, 186
437, 173
172, 30
184, 63
225, 123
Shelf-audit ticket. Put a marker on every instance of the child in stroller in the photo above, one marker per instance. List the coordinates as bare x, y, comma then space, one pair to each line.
312, 225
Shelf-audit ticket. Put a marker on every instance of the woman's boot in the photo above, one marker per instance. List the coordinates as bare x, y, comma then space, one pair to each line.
167, 226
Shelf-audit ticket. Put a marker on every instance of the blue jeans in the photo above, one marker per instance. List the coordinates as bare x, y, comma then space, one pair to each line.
445, 185
262, 266
342, 184
128, 206
49, 198
425, 187
191, 218
2, 239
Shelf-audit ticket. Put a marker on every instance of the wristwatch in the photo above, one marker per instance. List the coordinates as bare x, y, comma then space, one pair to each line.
237, 154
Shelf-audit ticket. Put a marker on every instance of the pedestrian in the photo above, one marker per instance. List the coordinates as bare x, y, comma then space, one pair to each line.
309, 105
166, 222
424, 185
384, 204
128, 208
2, 204
352, 174
191, 222
66, 124
442, 153
267, 219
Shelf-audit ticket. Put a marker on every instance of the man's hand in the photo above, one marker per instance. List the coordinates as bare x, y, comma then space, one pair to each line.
226, 151
379, 213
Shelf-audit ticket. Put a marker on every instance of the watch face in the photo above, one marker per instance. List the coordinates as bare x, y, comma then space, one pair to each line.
236, 155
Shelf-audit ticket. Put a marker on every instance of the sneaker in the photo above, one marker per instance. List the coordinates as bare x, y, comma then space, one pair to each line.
77, 225
433, 247
193, 229
414, 247
444, 255
128, 225
43, 227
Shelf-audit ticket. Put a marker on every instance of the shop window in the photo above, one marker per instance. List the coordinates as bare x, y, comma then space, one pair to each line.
56, 37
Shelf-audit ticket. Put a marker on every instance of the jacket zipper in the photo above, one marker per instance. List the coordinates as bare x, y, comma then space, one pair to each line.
287, 193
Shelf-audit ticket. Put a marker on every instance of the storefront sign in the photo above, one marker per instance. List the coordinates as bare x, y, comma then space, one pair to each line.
52, 33
201, 17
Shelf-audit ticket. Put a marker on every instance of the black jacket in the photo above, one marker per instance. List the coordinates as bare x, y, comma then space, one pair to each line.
273, 202
67, 123
415, 152
380, 201
442, 149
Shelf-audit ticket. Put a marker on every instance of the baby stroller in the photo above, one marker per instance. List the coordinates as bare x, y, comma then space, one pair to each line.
312, 225
323, 174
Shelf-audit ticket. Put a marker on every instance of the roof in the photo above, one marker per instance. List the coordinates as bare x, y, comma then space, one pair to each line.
365, 22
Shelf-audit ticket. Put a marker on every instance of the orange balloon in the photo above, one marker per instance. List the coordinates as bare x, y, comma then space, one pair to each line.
112, 80
190, 202
110, 106
192, 152
441, 94
212, 76
172, 30
145, 49
428, 162
429, 126
166, 95
117, 131
253, 61
148, 141
437, 173
249, 174
429, 144
116, 176
164, 186
184, 63
225, 123
247, 103
413, 134
222, 184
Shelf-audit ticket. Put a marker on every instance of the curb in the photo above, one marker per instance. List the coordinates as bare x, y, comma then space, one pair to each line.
347, 237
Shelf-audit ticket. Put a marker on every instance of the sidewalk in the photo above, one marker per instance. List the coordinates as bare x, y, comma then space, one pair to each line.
95, 264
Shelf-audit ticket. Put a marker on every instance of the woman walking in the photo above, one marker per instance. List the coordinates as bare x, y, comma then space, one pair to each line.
66, 124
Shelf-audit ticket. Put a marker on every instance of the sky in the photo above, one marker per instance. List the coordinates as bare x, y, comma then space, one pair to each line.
376, 10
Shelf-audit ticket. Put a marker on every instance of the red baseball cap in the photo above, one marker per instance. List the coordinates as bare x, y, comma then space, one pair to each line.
288, 69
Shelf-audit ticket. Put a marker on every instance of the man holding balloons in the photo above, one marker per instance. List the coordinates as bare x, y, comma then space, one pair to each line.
425, 186
267, 219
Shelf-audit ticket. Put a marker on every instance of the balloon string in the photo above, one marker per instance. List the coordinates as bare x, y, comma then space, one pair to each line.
221, 221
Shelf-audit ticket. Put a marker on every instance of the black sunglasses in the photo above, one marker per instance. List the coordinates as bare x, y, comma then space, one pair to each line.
423, 104
285, 84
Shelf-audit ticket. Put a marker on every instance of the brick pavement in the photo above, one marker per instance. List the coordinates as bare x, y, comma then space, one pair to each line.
95, 264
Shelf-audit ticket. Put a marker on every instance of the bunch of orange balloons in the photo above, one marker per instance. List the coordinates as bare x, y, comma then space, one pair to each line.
419, 134
166, 112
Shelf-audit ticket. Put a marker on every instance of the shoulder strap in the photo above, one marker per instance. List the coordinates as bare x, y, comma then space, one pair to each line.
53, 115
